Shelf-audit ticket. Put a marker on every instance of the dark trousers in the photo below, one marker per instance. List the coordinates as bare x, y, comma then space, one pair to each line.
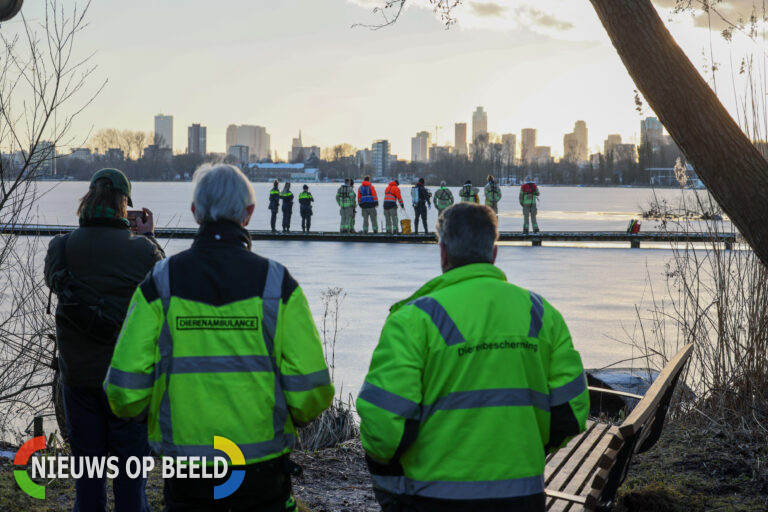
95, 432
395, 503
306, 220
287, 219
266, 487
421, 211
273, 220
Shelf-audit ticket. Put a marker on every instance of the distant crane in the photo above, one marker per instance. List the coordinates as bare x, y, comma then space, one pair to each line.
436, 131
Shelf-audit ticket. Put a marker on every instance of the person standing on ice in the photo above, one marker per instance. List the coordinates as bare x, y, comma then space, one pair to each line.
529, 193
345, 198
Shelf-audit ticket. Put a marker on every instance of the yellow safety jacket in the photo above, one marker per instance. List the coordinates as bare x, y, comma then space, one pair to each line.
473, 381
219, 341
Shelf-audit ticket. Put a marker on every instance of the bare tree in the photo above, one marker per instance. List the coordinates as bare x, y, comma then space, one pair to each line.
42, 90
132, 143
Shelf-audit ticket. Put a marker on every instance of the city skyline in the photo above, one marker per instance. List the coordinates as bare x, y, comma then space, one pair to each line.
311, 71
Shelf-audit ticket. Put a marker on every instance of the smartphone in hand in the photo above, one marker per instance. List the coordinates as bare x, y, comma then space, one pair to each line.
133, 215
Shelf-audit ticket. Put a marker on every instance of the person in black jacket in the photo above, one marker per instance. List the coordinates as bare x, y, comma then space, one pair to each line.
274, 204
287, 197
420, 205
94, 271
305, 208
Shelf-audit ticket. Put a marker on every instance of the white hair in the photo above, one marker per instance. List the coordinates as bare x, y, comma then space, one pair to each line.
222, 192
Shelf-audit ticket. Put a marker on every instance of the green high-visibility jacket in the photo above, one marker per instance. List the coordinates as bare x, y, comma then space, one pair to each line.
219, 342
492, 194
345, 196
528, 198
469, 194
473, 381
443, 198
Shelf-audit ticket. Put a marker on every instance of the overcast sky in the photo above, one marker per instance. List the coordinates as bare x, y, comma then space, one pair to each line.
298, 64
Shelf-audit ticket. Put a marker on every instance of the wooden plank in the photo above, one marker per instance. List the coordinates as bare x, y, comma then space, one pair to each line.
333, 236
558, 505
575, 461
567, 497
614, 392
557, 460
647, 407
601, 478
581, 481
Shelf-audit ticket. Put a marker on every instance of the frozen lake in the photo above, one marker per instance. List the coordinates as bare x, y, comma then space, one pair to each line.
596, 289
560, 208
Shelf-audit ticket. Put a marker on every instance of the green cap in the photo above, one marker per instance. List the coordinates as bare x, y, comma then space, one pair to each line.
119, 181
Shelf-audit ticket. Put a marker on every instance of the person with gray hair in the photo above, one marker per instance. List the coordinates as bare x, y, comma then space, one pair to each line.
219, 341
469, 357
222, 193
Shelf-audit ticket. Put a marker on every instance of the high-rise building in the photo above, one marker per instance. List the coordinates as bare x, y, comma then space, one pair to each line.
479, 123
42, 161
575, 144
610, 143
582, 141
542, 154
509, 147
164, 131
437, 153
255, 137
570, 148
240, 153
460, 138
651, 132
527, 144
197, 140
420, 147
380, 157
231, 135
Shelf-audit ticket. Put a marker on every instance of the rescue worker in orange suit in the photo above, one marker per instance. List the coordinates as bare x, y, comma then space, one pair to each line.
392, 197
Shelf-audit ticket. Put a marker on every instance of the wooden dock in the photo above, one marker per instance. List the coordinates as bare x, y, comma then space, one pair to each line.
535, 239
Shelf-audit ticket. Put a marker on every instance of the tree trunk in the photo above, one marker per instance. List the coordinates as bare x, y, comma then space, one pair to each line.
733, 170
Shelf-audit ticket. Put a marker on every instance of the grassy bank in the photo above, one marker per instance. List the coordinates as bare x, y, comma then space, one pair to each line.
696, 468
692, 468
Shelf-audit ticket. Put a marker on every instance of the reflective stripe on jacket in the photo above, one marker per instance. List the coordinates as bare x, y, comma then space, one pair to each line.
392, 196
219, 342
305, 202
345, 196
492, 194
287, 198
274, 198
528, 194
472, 382
469, 194
443, 198
366, 195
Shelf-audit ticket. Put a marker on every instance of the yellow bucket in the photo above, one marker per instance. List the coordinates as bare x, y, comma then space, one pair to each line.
405, 226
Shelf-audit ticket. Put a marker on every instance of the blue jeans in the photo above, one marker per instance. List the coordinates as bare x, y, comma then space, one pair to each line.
95, 432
